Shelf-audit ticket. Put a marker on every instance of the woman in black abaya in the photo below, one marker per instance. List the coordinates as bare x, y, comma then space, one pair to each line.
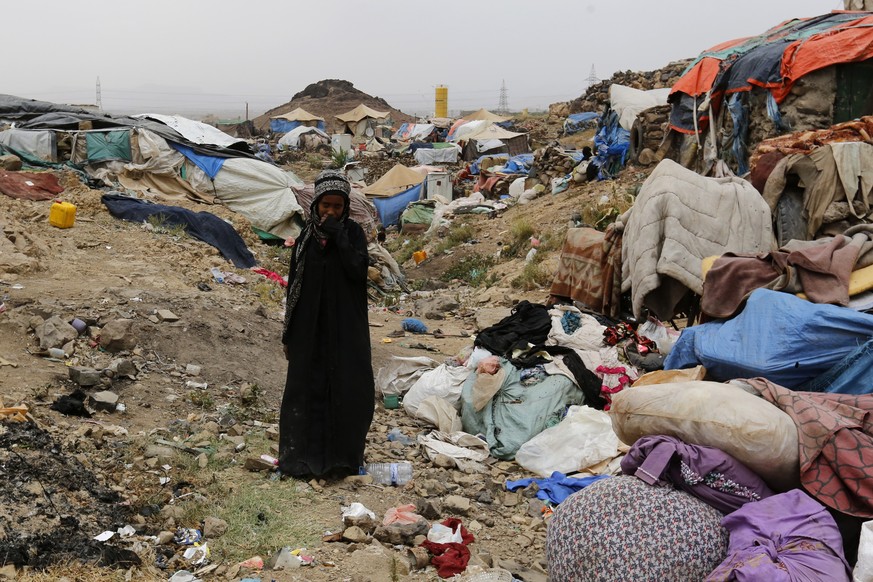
329, 392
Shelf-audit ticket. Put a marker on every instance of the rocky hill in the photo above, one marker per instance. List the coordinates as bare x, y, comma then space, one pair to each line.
597, 95
328, 98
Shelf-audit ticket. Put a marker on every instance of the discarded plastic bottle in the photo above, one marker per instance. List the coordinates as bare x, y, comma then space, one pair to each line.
390, 473
217, 274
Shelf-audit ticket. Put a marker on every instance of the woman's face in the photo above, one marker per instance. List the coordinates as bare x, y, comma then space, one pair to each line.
331, 205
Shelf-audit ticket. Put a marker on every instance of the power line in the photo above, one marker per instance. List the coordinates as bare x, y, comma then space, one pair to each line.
503, 106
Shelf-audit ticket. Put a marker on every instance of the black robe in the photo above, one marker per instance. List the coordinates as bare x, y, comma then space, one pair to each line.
329, 393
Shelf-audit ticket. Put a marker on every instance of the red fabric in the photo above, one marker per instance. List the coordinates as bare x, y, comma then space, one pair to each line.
848, 43
835, 434
700, 78
271, 276
450, 559
30, 185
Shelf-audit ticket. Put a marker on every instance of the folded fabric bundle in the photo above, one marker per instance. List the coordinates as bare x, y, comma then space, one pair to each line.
705, 472
788, 537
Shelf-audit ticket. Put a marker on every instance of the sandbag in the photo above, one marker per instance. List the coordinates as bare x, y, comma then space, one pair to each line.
712, 414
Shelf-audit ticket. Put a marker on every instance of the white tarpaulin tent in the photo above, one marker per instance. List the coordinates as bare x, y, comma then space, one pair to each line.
292, 138
262, 193
40, 143
194, 131
426, 156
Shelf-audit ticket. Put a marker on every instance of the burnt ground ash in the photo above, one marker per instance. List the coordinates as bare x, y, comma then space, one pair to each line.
51, 506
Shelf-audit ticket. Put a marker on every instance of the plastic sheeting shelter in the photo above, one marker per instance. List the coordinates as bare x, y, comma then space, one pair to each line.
495, 139
397, 179
292, 138
576, 122
39, 143
774, 60
413, 131
390, 208
293, 119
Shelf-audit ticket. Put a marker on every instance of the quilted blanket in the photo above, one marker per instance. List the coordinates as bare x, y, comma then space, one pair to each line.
680, 218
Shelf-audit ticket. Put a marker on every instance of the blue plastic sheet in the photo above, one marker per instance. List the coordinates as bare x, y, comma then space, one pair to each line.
519, 164
576, 122
284, 126
610, 144
556, 488
389, 209
778, 336
209, 164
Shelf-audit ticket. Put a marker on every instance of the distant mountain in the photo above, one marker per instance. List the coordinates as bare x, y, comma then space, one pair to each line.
328, 98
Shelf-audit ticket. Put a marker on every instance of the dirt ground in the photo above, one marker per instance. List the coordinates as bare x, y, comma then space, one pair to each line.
73, 477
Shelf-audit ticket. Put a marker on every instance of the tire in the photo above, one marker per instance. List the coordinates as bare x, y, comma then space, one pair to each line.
636, 142
790, 222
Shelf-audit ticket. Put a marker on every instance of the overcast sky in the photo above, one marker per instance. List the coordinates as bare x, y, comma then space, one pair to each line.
214, 56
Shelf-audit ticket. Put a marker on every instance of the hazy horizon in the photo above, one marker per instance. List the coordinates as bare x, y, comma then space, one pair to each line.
196, 58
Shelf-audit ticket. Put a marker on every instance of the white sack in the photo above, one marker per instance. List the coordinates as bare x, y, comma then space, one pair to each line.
443, 382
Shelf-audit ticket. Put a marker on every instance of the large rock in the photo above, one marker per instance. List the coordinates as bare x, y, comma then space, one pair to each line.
10, 162
436, 308
457, 505
214, 527
376, 564
117, 336
84, 377
54, 332
401, 534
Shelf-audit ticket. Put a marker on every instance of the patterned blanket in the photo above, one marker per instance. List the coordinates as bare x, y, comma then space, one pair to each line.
589, 271
835, 432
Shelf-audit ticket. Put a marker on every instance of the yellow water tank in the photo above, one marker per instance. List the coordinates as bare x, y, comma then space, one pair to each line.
441, 102
62, 214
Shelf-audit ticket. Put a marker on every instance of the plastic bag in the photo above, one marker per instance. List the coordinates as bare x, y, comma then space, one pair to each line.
663, 336
442, 534
864, 567
402, 514
584, 438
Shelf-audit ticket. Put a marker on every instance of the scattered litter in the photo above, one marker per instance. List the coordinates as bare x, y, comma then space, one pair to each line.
106, 535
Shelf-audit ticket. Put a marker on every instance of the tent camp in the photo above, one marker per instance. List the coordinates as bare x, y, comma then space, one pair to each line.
165, 156
481, 137
394, 191
803, 74
293, 119
362, 121
485, 115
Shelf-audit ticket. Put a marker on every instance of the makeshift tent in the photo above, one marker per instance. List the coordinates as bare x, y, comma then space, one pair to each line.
360, 119
40, 143
394, 191
398, 179
294, 119
771, 62
493, 139
291, 140
413, 131
485, 115
440, 153
613, 139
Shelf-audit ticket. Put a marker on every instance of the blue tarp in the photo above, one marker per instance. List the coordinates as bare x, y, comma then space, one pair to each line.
209, 164
284, 126
610, 144
519, 164
778, 336
390, 208
576, 122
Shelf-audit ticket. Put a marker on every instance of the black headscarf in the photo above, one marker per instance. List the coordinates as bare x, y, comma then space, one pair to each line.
327, 182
